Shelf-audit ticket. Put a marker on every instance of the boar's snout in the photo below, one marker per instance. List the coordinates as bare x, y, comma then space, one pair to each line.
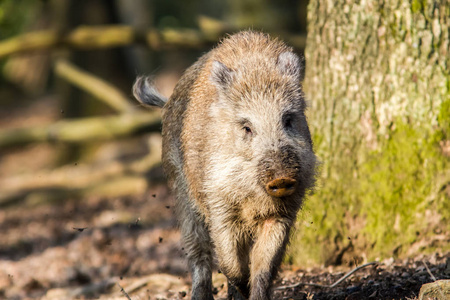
281, 187
280, 173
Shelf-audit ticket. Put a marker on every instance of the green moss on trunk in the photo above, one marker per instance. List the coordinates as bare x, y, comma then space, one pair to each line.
378, 82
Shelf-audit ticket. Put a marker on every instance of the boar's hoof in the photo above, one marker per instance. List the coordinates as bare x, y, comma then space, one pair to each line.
281, 187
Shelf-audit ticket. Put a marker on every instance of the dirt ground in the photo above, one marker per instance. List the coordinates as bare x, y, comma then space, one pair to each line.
93, 247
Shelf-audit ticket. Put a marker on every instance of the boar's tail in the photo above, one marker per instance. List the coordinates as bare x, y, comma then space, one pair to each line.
146, 93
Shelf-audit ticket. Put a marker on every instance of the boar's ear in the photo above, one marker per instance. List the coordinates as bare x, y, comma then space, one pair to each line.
290, 64
221, 76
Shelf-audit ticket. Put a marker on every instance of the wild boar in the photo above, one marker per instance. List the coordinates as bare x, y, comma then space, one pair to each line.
239, 157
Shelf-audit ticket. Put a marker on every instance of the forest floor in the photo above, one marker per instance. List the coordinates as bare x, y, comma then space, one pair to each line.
94, 247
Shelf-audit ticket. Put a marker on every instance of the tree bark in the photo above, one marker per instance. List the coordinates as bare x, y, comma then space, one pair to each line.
378, 83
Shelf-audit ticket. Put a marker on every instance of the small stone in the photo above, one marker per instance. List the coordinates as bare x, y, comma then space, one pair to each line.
435, 290
405, 275
353, 289
398, 288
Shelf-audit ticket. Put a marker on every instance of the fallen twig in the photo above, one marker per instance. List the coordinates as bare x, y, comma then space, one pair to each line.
83, 130
107, 36
441, 292
327, 286
429, 272
123, 292
111, 178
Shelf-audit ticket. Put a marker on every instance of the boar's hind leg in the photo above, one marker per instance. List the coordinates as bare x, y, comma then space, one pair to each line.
266, 256
197, 245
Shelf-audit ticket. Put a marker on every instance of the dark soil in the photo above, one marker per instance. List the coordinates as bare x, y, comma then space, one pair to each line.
392, 279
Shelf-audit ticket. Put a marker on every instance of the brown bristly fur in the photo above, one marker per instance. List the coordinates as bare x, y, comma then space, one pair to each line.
234, 123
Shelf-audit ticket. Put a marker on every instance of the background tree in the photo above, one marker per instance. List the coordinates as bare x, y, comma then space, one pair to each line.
378, 82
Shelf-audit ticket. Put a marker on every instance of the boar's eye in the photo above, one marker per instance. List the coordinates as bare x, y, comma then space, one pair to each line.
246, 127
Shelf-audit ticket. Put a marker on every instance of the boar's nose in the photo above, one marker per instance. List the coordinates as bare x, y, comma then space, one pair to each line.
281, 187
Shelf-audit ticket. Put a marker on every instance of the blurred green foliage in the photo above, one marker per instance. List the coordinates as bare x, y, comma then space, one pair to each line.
282, 15
15, 16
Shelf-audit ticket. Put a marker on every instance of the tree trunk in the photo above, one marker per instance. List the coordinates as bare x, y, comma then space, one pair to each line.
378, 83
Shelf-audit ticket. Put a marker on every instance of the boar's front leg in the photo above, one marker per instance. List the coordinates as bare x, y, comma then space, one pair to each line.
237, 292
232, 250
266, 256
